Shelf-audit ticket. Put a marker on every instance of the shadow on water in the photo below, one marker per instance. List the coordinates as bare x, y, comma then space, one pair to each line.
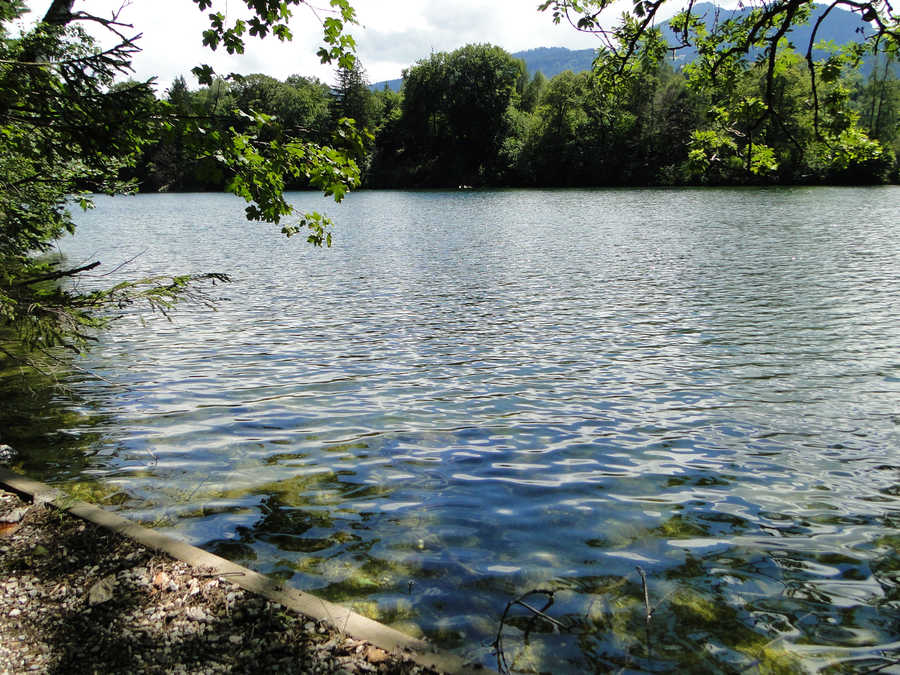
54, 436
306, 534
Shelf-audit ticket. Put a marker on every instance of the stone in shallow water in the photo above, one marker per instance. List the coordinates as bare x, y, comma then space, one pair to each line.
7, 454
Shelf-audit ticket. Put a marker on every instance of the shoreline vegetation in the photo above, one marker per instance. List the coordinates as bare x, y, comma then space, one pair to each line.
562, 132
477, 117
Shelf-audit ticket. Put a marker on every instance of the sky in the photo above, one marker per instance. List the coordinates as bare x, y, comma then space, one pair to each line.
392, 35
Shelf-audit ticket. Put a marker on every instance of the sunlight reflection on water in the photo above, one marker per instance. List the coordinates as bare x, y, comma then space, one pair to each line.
488, 392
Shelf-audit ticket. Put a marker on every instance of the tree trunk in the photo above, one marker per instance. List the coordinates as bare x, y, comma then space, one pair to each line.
59, 13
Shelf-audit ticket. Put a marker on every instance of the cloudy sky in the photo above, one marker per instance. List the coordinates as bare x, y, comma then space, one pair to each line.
392, 34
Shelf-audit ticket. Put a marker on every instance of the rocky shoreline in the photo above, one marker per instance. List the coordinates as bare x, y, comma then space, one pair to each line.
77, 598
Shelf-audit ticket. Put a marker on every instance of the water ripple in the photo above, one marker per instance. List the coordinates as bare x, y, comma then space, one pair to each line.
483, 393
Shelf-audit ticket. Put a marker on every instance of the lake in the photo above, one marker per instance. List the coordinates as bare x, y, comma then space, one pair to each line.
473, 394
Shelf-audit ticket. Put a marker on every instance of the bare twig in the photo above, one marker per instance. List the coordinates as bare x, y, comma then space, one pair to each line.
502, 664
23, 362
646, 594
69, 364
540, 613
123, 264
812, 67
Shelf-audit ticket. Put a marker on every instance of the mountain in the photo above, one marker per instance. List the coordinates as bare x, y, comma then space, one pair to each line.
554, 60
390, 84
840, 27
548, 60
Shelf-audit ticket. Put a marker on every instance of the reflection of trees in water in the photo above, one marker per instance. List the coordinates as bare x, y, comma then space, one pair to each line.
41, 420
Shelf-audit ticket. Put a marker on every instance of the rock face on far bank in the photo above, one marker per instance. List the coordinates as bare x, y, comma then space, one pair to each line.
76, 598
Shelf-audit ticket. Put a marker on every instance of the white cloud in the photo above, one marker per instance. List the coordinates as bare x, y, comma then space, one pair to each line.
393, 35
401, 32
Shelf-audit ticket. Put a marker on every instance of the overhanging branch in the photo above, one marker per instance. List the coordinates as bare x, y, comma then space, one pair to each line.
59, 274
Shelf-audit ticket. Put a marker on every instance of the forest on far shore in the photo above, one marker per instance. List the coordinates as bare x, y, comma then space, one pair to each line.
475, 117
725, 100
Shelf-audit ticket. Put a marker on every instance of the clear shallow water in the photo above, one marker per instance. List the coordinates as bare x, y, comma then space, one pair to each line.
476, 394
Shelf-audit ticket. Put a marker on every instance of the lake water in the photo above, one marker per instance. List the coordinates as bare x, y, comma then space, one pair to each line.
476, 394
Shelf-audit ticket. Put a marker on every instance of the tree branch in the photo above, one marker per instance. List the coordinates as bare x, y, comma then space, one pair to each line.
127, 46
812, 67
50, 276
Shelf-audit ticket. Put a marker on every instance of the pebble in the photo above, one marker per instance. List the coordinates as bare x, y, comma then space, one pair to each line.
197, 614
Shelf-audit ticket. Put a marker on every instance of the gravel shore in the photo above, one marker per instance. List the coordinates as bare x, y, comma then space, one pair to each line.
76, 598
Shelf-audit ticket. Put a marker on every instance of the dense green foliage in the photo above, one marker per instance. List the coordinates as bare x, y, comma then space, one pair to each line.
749, 107
474, 117
69, 129
773, 109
